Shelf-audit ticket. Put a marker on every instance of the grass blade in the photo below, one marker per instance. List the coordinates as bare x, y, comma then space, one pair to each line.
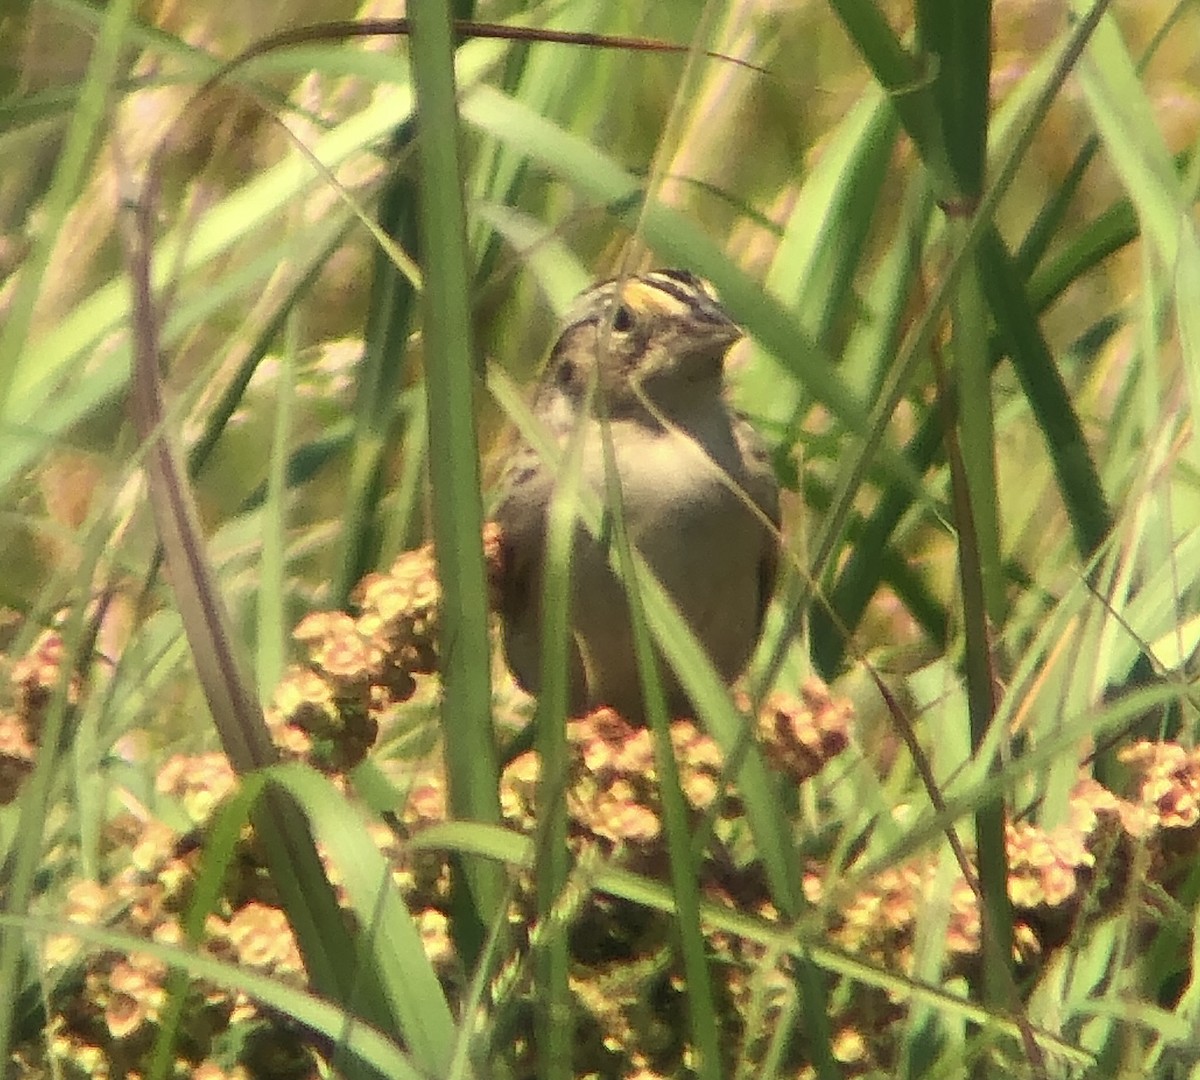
471, 761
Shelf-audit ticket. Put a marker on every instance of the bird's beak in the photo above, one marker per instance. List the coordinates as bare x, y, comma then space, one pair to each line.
707, 345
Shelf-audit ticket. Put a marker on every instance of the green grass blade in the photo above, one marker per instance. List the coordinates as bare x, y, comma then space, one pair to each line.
369, 1051
389, 321
389, 944
1017, 326
272, 632
555, 1049
83, 137
683, 870
471, 762
957, 39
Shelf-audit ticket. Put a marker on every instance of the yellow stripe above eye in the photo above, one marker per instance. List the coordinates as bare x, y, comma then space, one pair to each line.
644, 296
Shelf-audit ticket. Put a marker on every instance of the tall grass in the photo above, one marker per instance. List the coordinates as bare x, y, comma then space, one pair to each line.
963, 242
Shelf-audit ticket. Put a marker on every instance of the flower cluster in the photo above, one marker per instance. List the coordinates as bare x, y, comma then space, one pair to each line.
32, 682
327, 710
107, 1007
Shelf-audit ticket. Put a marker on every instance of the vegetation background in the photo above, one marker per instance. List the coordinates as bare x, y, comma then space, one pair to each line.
963, 241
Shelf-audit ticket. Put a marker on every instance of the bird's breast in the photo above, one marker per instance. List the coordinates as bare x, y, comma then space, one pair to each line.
682, 494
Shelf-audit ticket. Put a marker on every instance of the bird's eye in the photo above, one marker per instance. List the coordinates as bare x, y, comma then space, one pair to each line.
565, 373
622, 320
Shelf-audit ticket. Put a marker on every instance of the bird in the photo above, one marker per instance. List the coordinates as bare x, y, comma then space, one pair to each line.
646, 354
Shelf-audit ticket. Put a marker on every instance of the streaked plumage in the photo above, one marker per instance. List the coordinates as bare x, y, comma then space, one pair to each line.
655, 346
